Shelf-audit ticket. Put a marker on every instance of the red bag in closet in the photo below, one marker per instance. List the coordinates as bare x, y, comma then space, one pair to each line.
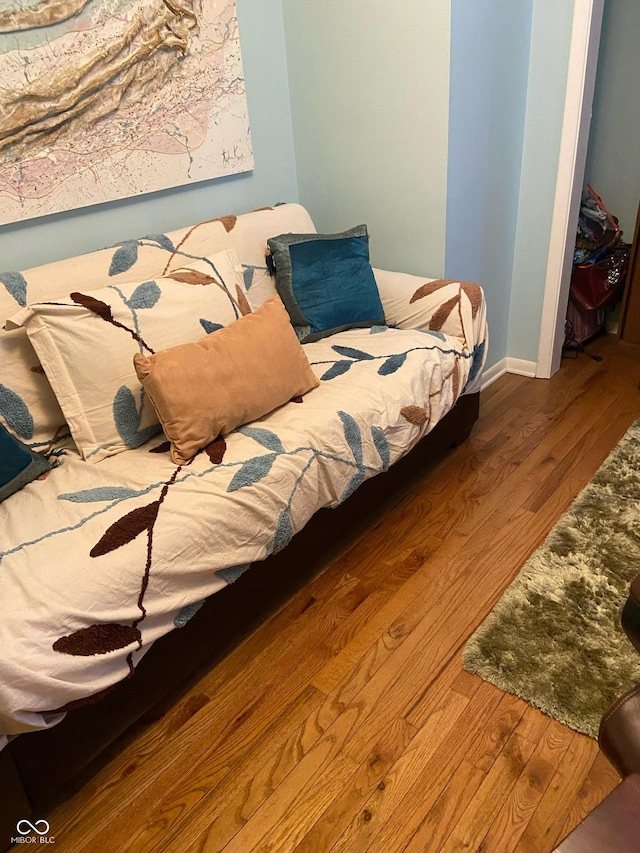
601, 283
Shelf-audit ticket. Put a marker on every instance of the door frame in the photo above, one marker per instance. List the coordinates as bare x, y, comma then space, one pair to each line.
581, 75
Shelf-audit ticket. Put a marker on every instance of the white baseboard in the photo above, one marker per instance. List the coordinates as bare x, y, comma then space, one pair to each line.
521, 367
508, 365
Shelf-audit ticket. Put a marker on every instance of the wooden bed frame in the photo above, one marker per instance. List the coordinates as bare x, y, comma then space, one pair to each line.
39, 769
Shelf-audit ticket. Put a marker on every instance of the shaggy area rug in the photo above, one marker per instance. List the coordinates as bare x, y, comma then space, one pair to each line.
555, 638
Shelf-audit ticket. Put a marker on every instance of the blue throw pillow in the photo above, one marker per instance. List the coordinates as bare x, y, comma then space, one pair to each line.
326, 282
19, 464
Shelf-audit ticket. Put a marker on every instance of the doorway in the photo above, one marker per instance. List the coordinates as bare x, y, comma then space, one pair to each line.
581, 76
610, 146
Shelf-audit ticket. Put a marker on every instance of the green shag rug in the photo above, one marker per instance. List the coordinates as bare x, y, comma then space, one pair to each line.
555, 638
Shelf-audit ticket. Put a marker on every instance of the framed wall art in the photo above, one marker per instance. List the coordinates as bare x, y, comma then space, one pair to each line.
108, 99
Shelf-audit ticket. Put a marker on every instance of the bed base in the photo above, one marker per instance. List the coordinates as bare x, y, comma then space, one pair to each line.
39, 769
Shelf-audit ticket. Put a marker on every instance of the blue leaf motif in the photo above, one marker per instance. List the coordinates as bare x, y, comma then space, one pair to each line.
101, 493
375, 330
127, 419
252, 471
352, 434
15, 412
248, 275
210, 326
476, 363
126, 414
264, 437
382, 446
338, 369
144, 296
16, 284
187, 613
351, 352
438, 335
124, 257
355, 482
232, 573
283, 534
393, 363
162, 240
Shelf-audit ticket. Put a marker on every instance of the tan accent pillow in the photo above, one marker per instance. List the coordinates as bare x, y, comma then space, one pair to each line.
232, 376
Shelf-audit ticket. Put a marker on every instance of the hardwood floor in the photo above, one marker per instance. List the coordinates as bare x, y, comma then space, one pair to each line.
345, 722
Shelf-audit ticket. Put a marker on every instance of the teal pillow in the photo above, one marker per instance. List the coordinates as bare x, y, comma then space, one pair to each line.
19, 464
326, 282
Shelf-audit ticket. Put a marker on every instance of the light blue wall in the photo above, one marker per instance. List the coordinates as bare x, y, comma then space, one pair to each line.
488, 91
548, 64
613, 160
438, 125
273, 179
369, 87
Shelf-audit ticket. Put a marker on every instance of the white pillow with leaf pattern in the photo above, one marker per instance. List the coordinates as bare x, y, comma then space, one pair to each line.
86, 343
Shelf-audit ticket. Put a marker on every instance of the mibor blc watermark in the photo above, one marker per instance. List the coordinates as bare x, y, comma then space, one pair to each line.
33, 833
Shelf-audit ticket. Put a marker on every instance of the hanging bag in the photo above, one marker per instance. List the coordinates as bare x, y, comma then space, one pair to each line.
596, 285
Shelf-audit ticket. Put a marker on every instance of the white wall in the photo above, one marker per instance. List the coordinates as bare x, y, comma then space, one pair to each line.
364, 88
613, 161
369, 84
273, 179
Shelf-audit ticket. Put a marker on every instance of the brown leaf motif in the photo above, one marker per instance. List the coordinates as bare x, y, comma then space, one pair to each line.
189, 276
414, 414
216, 450
441, 316
101, 309
455, 381
228, 222
243, 304
474, 294
126, 529
165, 447
430, 287
91, 304
97, 640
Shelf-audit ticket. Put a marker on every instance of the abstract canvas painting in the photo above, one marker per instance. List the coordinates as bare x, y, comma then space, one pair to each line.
107, 99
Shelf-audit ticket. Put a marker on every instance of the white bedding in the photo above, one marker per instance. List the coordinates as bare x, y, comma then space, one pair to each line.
203, 523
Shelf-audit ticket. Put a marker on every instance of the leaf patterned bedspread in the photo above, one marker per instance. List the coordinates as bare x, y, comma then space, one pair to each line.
98, 561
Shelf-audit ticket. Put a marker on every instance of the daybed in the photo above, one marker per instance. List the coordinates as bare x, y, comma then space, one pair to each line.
105, 555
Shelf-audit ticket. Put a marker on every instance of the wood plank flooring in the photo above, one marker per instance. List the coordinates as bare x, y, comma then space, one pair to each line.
345, 722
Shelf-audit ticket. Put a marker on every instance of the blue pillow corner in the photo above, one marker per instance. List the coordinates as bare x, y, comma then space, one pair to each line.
19, 464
